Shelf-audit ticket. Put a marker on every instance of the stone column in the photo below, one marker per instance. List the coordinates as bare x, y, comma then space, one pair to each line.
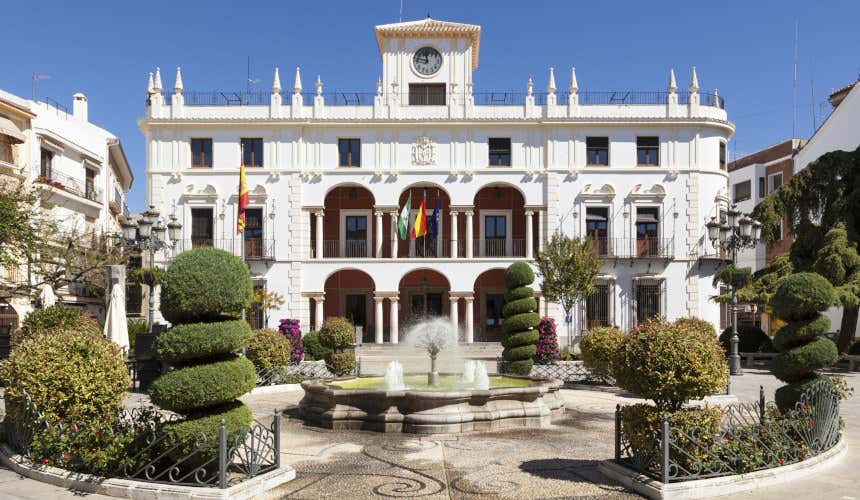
470, 319
394, 234
454, 310
542, 229
529, 234
469, 233
393, 320
454, 234
377, 318
319, 311
378, 235
319, 233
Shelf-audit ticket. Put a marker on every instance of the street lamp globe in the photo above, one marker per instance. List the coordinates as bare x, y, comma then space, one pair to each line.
713, 229
745, 226
756, 230
159, 231
725, 230
129, 230
174, 229
144, 228
733, 216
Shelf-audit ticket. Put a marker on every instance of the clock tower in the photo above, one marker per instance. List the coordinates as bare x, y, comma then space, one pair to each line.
428, 61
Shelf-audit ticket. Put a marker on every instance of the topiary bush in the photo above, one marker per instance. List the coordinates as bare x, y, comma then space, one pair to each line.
200, 290
670, 363
58, 319
597, 347
340, 363
314, 350
800, 299
337, 333
520, 320
291, 329
203, 284
268, 349
750, 339
547, 343
71, 377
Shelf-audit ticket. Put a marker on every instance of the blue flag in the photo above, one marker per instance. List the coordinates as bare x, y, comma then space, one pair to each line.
434, 219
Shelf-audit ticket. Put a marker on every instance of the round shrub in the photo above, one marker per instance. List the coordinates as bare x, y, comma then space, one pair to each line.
71, 377
337, 333
340, 363
750, 339
203, 284
697, 324
519, 274
314, 350
802, 296
598, 346
669, 363
799, 299
547, 342
59, 318
195, 340
268, 349
198, 386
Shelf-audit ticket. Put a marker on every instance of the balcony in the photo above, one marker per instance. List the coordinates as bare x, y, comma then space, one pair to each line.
70, 185
259, 249
499, 247
634, 248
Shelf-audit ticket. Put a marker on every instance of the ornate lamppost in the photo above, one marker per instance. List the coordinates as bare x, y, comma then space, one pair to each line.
738, 232
150, 235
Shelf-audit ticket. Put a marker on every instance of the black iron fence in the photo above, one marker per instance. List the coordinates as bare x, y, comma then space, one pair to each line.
751, 436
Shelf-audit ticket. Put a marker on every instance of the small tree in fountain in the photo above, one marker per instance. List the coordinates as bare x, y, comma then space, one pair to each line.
521, 319
433, 336
568, 267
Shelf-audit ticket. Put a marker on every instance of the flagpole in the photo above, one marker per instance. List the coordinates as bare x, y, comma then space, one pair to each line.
238, 203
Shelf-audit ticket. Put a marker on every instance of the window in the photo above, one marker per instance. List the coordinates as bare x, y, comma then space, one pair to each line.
47, 160
495, 235
743, 191
723, 156
774, 182
425, 305
492, 330
761, 185
201, 227
252, 152
597, 228
647, 231
597, 307
597, 150
349, 151
254, 232
356, 235
201, 153
648, 295
90, 185
648, 151
426, 94
500, 151
777, 231
257, 318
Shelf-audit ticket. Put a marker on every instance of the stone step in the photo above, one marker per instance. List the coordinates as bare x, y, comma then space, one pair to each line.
377, 366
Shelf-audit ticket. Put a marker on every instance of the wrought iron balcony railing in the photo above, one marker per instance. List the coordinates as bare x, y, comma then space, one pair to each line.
70, 185
255, 248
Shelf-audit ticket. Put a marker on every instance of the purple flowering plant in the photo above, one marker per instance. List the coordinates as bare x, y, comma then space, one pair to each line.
547, 343
290, 328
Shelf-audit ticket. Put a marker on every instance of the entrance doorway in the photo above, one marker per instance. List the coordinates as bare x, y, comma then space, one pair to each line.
426, 305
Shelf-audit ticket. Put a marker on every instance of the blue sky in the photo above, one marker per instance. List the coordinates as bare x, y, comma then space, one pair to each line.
743, 48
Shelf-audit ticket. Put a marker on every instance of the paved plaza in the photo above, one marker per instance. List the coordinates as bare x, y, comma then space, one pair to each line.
558, 462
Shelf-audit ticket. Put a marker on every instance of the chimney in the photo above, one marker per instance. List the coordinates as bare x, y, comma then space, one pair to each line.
79, 107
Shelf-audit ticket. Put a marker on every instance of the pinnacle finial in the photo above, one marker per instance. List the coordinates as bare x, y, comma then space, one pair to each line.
177, 86
276, 82
574, 86
297, 84
530, 86
694, 81
379, 85
157, 86
319, 85
673, 84
150, 85
550, 87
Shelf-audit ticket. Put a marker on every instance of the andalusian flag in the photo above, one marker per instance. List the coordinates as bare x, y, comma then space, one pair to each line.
243, 200
403, 219
419, 229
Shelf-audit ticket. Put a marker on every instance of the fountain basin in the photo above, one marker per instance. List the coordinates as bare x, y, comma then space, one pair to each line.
510, 402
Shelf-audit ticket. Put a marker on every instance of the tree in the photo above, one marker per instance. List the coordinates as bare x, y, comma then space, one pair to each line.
568, 268
837, 260
824, 195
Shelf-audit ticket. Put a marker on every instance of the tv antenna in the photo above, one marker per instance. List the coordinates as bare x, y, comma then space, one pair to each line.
36, 77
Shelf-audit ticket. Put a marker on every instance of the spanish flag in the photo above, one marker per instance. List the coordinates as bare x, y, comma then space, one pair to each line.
419, 229
243, 200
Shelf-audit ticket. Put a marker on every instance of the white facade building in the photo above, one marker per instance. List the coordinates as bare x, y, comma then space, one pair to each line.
641, 172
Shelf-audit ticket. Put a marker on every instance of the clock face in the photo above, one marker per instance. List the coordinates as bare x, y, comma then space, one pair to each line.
427, 61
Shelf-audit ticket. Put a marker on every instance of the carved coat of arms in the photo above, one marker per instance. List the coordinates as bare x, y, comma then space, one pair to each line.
423, 151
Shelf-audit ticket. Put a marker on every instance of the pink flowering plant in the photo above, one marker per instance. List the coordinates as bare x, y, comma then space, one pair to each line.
290, 328
547, 343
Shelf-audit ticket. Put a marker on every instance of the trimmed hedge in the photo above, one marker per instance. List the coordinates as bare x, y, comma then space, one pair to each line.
340, 363
520, 352
750, 339
598, 346
199, 386
519, 306
800, 332
195, 340
59, 319
314, 350
802, 296
519, 274
522, 338
519, 293
203, 429
788, 395
269, 349
337, 333
795, 364
203, 284
521, 320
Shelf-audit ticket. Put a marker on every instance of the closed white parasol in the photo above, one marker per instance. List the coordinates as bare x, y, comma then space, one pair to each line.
116, 327
47, 296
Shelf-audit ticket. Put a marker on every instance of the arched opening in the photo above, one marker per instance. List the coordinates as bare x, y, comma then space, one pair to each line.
502, 228
424, 294
349, 294
436, 242
8, 324
489, 299
347, 223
